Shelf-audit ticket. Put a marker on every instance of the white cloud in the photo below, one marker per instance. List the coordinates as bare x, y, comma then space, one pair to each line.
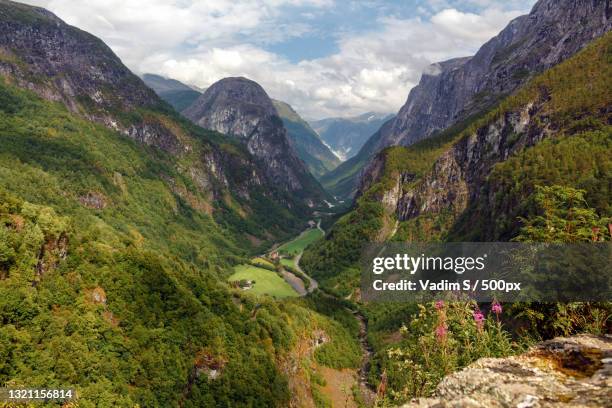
472, 26
200, 42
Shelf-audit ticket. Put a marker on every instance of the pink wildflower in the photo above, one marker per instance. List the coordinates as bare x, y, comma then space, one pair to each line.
441, 332
496, 308
478, 318
439, 305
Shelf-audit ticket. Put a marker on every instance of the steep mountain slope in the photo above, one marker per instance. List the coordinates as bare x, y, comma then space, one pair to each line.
452, 91
474, 180
177, 94
241, 108
118, 223
62, 63
346, 136
306, 142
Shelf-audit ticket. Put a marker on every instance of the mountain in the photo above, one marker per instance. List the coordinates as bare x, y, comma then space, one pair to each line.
306, 142
241, 108
120, 222
346, 136
342, 182
452, 91
177, 94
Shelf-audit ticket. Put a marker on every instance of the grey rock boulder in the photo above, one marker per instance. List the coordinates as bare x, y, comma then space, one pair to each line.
563, 372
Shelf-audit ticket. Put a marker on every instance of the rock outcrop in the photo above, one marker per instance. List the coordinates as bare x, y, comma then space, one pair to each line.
240, 108
563, 372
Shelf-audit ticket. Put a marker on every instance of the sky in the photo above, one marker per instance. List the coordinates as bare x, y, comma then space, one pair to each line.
327, 58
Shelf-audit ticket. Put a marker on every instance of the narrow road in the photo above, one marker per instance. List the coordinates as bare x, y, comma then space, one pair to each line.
293, 280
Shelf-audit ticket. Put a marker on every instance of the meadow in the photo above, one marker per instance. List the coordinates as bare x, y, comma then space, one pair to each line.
266, 282
297, 246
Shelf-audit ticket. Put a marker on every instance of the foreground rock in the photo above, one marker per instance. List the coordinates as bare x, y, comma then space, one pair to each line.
563, 372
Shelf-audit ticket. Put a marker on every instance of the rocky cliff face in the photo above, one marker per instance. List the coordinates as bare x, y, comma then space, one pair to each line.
565, 101
63, 63
240, 108
563, 372
453, 90
459, 173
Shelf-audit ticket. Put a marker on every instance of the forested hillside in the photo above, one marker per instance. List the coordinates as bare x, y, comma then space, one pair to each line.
62, 63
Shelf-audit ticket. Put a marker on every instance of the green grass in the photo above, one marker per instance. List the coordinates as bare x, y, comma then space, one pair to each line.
300, 243
290, 262
266, 282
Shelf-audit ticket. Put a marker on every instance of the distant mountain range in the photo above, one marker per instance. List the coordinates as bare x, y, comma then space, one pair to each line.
307, 143
176, 93
345, 136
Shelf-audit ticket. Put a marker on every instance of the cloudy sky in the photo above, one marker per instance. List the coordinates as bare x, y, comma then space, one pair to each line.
324, 57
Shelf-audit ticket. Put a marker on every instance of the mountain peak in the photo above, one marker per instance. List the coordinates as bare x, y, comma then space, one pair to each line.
245, 104
241, 108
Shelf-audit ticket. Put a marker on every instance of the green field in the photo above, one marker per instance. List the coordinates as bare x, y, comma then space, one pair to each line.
290, 262
300, 243
266, 282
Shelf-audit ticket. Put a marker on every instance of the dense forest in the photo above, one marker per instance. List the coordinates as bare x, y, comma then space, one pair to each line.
112, 282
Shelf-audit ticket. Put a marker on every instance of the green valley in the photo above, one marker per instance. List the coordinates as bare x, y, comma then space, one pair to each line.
172, 245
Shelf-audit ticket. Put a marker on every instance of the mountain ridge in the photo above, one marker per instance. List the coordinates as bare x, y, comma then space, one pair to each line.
346, 136
176, 93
